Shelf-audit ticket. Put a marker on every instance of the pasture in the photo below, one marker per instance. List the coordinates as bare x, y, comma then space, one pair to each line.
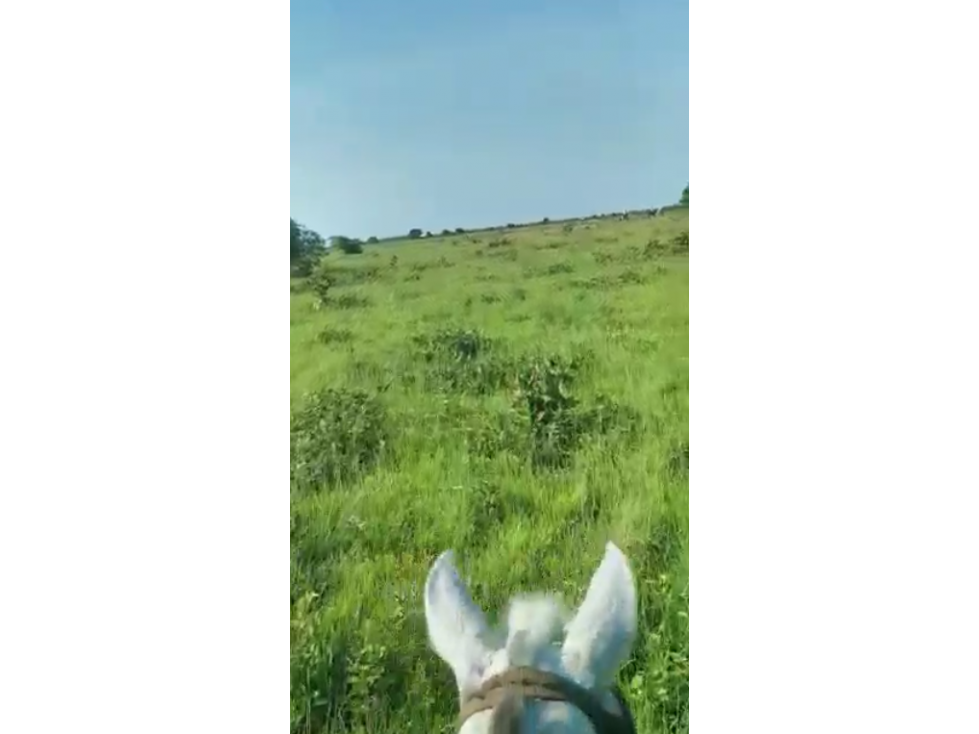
518, 395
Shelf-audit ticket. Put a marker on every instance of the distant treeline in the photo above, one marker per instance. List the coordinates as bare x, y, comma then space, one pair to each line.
307, 244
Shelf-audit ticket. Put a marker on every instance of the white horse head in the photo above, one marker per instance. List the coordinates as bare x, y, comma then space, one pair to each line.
597, 641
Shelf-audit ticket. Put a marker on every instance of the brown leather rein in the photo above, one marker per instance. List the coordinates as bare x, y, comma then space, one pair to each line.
530, 683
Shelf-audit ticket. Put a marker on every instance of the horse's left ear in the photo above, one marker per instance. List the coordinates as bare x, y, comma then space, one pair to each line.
601, 635
457, 627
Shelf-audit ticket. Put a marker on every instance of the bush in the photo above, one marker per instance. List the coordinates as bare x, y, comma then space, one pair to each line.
334, 336
681, 243
558, 268
415, 234
335, 437
303, 242
461, 360
554, 420
544, 392
303, 267
320, 282
348, 245
372, 240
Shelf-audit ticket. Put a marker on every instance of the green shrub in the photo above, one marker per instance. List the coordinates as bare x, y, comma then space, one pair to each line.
336, 435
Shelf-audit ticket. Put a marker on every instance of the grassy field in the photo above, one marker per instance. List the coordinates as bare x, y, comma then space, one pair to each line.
520, 396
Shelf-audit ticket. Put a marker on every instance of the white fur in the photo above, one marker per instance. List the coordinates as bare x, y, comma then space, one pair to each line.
598, 639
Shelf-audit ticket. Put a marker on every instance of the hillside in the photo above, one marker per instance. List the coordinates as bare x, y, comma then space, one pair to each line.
519, 395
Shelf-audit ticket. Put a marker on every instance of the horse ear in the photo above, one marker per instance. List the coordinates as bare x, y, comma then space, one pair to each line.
457, 627
602, 632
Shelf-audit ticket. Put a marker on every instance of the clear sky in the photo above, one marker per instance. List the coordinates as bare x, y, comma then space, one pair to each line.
464, 113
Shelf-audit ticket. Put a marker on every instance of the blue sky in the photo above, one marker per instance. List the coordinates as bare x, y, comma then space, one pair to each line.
464, 113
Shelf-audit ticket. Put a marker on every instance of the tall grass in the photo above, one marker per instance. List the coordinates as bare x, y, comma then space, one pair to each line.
519, 396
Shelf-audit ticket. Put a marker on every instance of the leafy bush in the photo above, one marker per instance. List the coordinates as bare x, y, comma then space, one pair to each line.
348, 245
349, 301
304, 242
321, 282
461, 361
631, 276
544, 391
558, 268
653, 249
336, 435
681, 243
554, 421
334, 336
325, 280
303, 267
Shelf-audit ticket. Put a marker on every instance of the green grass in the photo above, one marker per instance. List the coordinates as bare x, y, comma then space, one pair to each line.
422, 442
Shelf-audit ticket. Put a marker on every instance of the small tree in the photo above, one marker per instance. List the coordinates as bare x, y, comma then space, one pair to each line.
348, 245
295, 240
372, 240
685, 196
415, 233
303, 242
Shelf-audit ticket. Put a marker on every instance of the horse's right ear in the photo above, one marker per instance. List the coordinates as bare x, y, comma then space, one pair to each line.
457, 627
601, 635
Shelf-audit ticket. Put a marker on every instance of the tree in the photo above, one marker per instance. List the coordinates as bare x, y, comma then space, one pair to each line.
304, 243
415, 233
348, 245
685, 196
295, 240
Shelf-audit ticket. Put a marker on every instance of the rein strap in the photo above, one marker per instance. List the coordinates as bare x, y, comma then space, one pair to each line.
543, 686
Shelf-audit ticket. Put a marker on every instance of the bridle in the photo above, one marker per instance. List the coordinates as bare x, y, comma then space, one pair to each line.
530, 683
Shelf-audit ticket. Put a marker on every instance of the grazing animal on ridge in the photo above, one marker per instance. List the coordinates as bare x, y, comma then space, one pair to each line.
528, 685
